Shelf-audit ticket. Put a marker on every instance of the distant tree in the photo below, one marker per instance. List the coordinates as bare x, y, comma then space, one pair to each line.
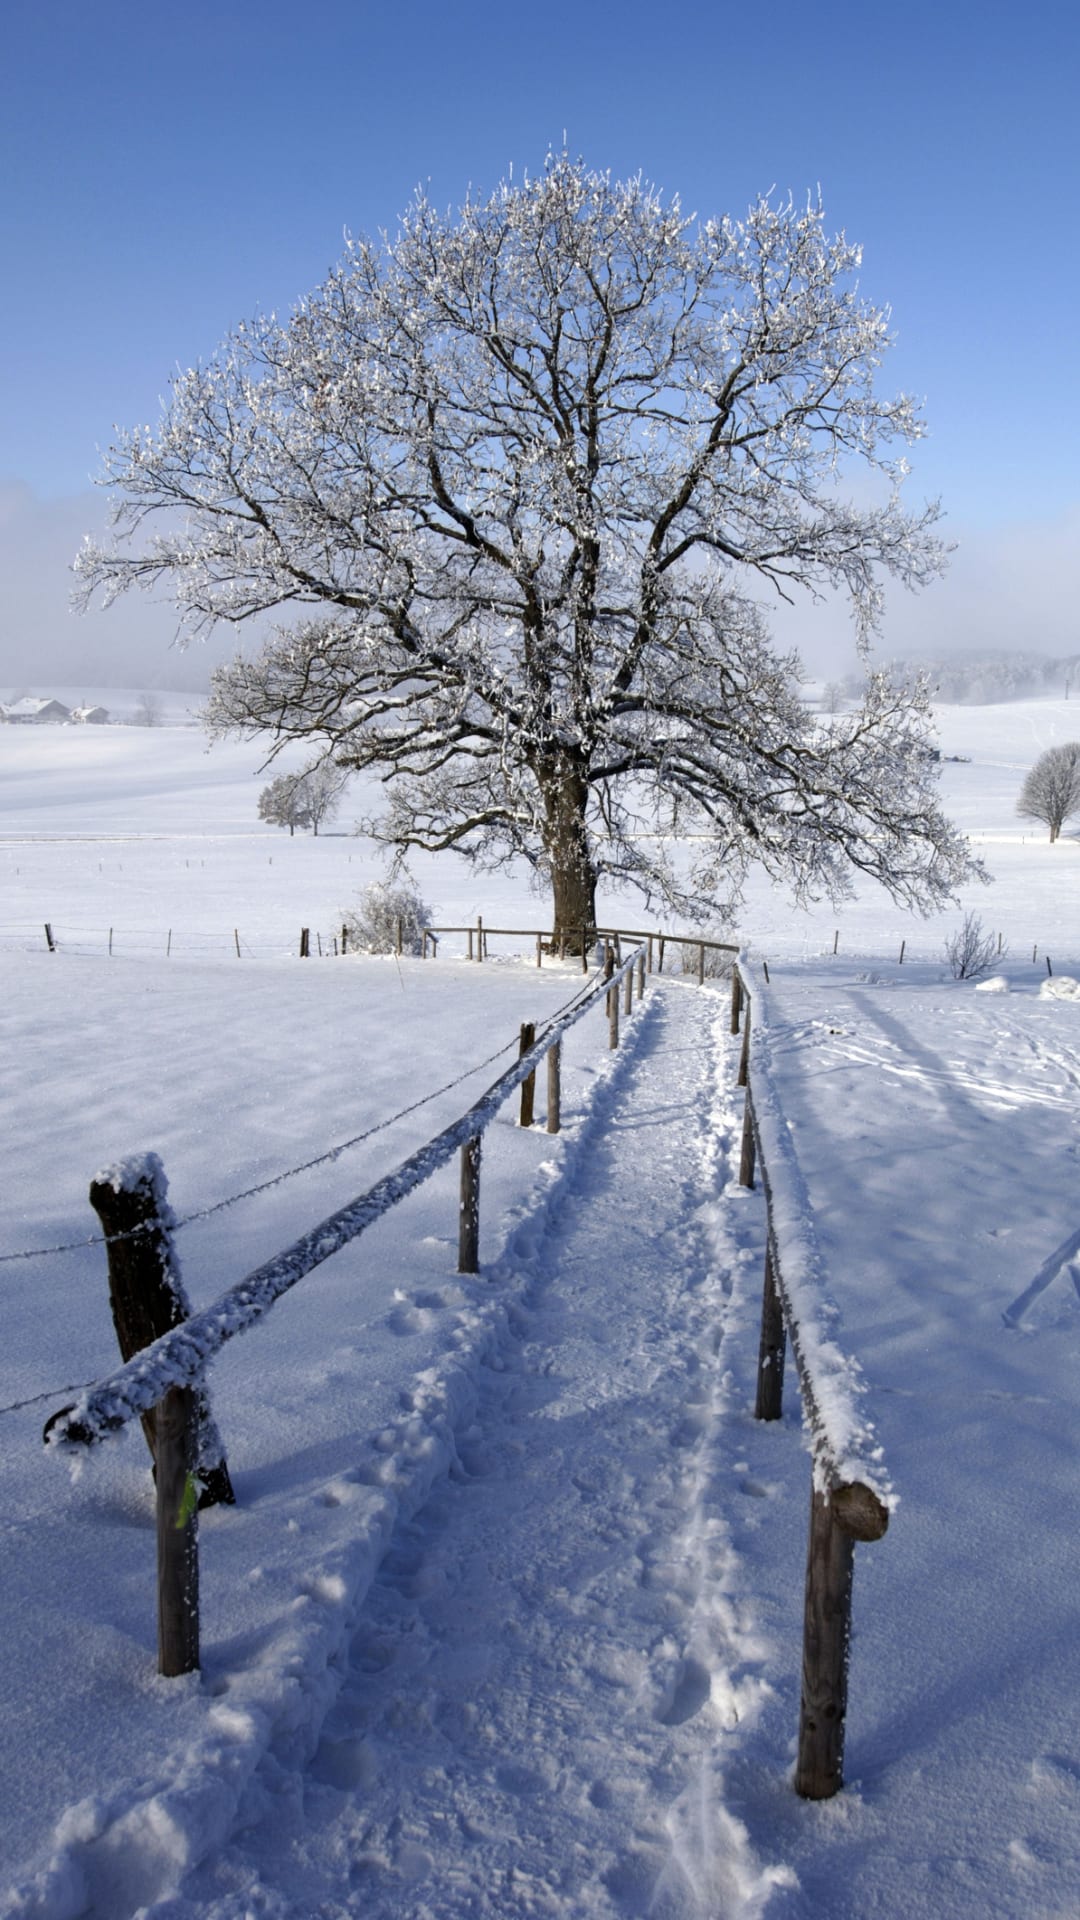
832, 696
530, 474
303, 799
322, 785
281, 804
147, 711
1051, 792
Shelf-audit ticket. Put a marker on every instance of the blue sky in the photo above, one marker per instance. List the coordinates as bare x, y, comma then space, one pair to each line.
167, 170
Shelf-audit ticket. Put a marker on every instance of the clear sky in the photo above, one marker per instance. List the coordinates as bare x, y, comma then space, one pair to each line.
165, 170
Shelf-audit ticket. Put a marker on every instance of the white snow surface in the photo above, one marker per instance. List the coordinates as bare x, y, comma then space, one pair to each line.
507, 1618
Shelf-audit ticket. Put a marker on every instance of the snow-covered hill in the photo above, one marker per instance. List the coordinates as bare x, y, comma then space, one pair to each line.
507, 1619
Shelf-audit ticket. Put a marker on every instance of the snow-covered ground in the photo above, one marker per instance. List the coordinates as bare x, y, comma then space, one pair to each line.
507, 1618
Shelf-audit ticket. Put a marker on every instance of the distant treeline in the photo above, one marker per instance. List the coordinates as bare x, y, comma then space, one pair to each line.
977, 679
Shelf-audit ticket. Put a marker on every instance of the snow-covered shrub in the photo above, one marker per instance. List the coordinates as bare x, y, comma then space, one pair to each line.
970, 951
384, 906
716, 964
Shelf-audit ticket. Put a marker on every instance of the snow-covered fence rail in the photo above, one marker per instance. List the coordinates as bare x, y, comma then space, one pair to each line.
851, 1492
166, 1376
581, 941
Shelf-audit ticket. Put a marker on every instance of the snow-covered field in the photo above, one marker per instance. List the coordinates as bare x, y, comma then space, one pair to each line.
506, 1621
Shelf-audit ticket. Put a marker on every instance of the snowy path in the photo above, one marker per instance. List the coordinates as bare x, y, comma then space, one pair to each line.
545, 1677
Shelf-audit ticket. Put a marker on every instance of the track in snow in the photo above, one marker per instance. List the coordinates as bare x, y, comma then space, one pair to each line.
546, 1673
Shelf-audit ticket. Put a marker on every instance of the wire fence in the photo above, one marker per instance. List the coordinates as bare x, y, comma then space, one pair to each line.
326, 1158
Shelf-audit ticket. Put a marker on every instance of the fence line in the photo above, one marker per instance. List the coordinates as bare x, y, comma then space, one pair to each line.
305, 1166
164, 1378
113, 940
850, 1491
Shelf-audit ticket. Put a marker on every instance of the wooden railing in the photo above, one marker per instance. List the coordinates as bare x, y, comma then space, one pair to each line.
850, 1489
582, 940
165, 1378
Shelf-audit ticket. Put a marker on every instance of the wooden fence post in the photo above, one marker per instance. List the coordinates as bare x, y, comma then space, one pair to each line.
539, 949
236, 937
584, 949
660, 957
649, 941
748, 1153
554, 1088
837, 1519
701, 963
744, 1056
770, 1375
344, 938
641, 976
147, 1299
469, 1208
736, 998
305, 943
528, 1087
470, 944
49, 941
628, 994
176, 1422
400, 938
479, 936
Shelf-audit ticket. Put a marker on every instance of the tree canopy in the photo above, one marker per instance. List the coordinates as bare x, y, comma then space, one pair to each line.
524, 482
1051, 791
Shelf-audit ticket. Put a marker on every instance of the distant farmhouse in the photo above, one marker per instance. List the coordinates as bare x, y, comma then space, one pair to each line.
29, 712
35, 713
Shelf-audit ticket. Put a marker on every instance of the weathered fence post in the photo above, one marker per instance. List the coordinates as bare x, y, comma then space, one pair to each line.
554, 1088
400, 938
470, 944
584, 949
649, 942
641, 976
660, 956
176, 1422
236, 938
837, 1519
612, 997
748, 1152
344, 938
770, 1375
628, 995
305, 943
701, 963
146, 1294
49, 941
479, 936
736, 998
528, 1086
539, 949
469, 1208
744, 1056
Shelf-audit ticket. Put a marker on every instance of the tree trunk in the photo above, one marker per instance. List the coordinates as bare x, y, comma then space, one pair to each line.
573, 872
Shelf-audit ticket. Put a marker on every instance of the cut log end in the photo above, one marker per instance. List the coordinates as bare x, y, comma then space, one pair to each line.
859, 1511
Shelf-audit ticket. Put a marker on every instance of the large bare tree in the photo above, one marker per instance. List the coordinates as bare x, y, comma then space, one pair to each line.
523, 482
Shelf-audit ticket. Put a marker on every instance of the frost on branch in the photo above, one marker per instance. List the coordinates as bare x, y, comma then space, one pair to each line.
523, 484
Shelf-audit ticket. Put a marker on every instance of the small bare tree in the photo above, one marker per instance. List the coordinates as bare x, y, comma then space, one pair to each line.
147, 711
970, 951
386, 907
1051, 791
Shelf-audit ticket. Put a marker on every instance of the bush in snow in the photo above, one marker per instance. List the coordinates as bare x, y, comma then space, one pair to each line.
971, 950
383, 907
716, 964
